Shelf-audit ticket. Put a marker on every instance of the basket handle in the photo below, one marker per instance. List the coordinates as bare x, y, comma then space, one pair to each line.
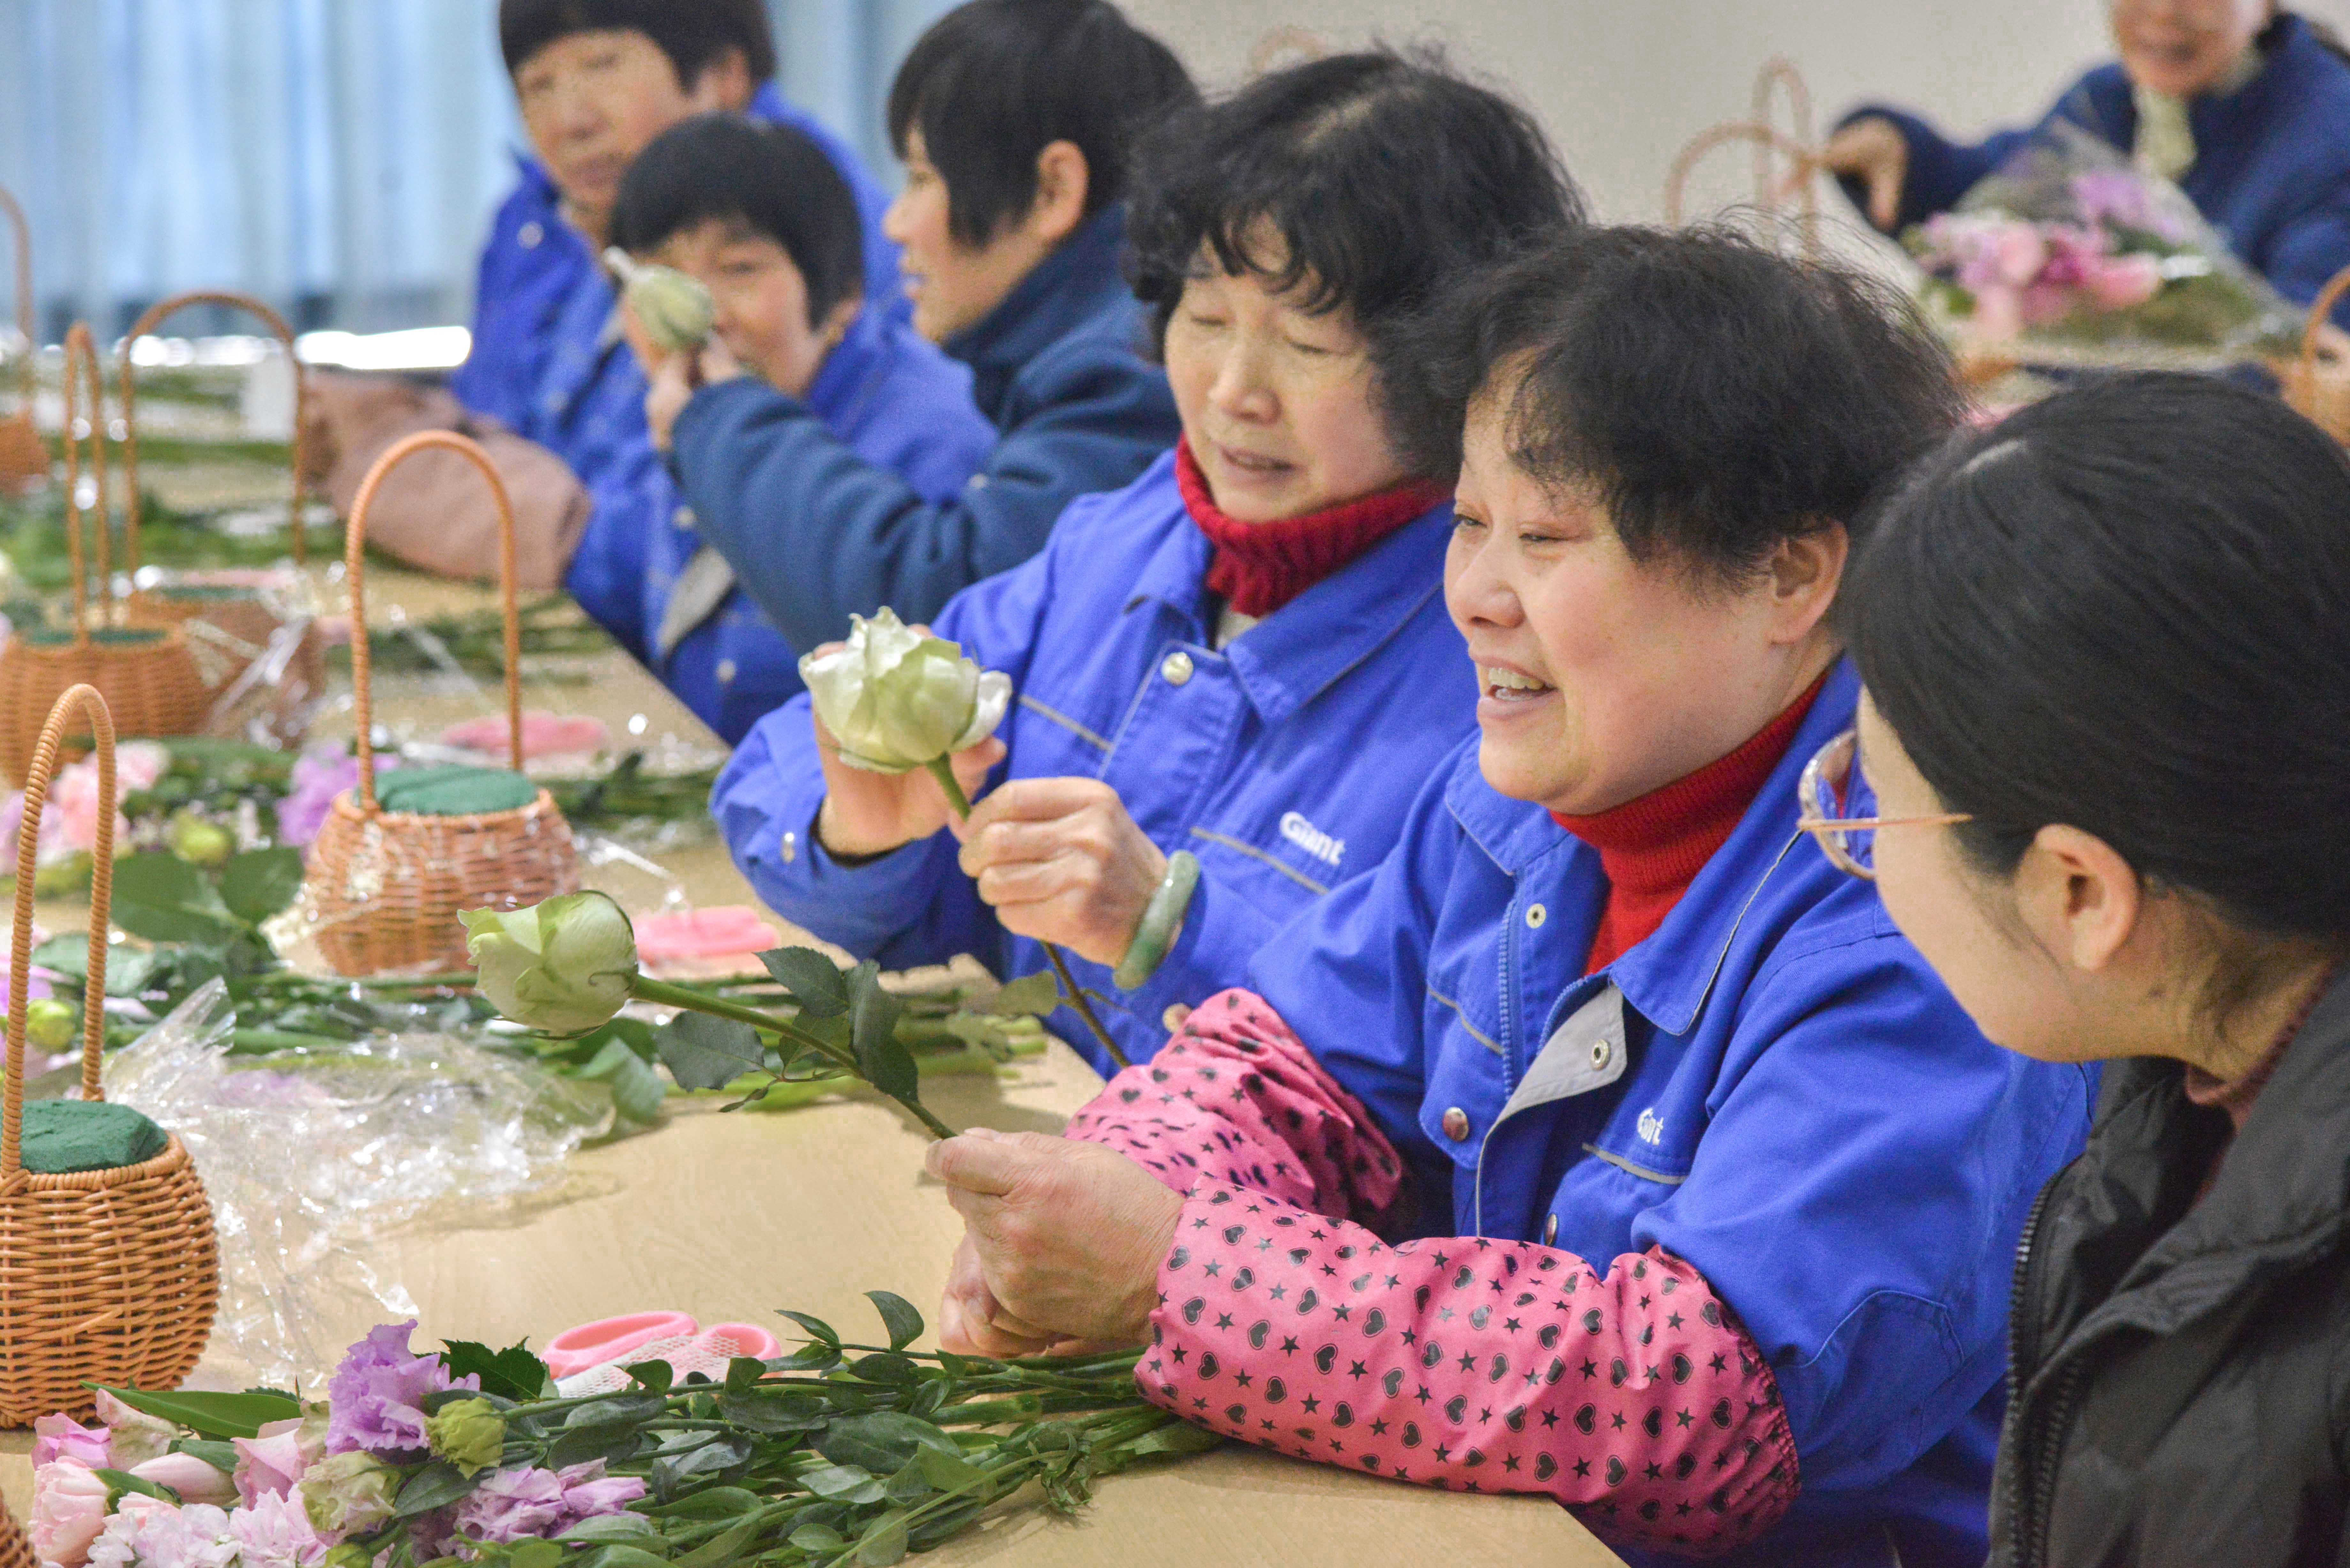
1763, 137
1778, 77
101, 904
154, 317
354, 564
24, 323
2320, 311
81, 364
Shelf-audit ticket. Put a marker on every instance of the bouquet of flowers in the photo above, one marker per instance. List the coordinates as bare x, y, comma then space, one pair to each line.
837, 1454
2069, 255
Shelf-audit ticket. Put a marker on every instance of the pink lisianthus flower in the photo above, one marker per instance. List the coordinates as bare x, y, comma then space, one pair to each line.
2119, 283
590, 1493
58, 1437
273, 1531
272, 1459
193, 1480
69, 1511
150, 1533
512, 1505
375, 1399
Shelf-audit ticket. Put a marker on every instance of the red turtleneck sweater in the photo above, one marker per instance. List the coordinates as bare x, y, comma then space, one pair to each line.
1260, 567
1653, 847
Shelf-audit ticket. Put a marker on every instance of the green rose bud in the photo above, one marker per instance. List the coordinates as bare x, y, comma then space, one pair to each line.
468, 1433
562, 966
675, 310
896, 699
52, 1024
345, 1493
199, 842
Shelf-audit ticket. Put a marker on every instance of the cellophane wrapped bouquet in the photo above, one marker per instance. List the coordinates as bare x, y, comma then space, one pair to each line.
2069, 255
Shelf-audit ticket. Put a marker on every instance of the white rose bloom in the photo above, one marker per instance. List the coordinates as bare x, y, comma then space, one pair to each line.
897, 699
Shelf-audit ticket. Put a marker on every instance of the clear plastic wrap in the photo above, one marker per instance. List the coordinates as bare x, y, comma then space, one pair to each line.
2068, 255
311, 1157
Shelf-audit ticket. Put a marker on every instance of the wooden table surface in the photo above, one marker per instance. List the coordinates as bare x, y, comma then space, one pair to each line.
732, 1216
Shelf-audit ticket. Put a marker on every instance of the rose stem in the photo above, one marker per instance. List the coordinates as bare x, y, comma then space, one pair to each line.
944, 770
646, 989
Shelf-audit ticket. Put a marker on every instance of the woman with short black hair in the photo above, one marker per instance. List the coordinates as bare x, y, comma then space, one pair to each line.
2107, 651
1241, 661
1603, 1143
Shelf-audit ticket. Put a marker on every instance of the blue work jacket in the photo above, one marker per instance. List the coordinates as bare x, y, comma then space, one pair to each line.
1774, 1086
548, 361
2272, 170
886, 394
1059, 366
1284, 762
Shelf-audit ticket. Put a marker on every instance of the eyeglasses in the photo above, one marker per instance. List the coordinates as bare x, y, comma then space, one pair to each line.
1849, 842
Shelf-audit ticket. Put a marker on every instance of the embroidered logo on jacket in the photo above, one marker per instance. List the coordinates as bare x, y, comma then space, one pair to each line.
1312, 840
1651, 1127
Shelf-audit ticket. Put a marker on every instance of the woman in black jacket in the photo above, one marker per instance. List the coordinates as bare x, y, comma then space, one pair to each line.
2108, 652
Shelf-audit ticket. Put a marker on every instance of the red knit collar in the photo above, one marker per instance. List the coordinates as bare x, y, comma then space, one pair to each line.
1260, 567
1652, 848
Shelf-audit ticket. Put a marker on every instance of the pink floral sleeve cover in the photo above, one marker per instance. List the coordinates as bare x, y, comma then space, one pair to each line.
1284, 1321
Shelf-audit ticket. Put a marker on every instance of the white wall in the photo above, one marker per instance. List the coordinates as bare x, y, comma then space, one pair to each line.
1622, 85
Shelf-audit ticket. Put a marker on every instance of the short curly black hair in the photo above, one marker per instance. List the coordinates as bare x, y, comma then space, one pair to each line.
1382, 174
995, 82
1719, 398
693, 34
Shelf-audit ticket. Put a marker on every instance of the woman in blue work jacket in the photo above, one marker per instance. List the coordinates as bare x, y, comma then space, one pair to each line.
1243, 655
2242, 103
1607, 1143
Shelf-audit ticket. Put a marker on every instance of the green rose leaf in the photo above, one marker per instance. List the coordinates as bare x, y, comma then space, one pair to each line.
814, 979
814, 1325
885, 1062
818, 1538
721, 1548
897, 1315
843, 1484
221, 1457
705, 1053
884, 1542
219, 1417
774, 1414
261, 882
160, 898
615, 1554
534, 1554
656, 1376
437, 1485
1177, 1437
636, 1090
882, 1440
948, 1471
513, 1373
66, 956
633, 1527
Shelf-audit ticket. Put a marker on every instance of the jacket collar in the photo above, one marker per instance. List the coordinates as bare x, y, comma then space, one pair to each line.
1666, 977
1076, 283
1290, 657
2280, 1193
843, 377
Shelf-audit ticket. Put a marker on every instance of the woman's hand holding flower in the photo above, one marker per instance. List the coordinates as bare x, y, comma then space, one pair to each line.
867, 813
1062, 861
1062, 1244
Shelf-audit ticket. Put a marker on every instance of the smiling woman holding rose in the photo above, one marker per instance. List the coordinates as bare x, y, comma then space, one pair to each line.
1606, 1143
1239, 665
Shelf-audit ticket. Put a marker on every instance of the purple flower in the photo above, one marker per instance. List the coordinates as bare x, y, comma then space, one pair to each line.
515, 1504
376, 1398
319, 775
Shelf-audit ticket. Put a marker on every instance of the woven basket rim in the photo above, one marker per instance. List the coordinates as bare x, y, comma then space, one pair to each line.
173, 1157
131, 640
346, 804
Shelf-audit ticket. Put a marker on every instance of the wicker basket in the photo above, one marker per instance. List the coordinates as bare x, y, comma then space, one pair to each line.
105, 1276
16, 1550
239, 625
23, 456
384, 887
1770, 145
2319, 390
149, 678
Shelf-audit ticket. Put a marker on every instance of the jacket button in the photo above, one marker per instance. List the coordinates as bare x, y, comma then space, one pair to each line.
1550, 1231
1600, 1052
725, 670
791, 847
683, 517
1536, 916
1456, 1124
1176, 669
530, 233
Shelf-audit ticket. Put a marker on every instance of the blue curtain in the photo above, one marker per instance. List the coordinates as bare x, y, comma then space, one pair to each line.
339, 158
